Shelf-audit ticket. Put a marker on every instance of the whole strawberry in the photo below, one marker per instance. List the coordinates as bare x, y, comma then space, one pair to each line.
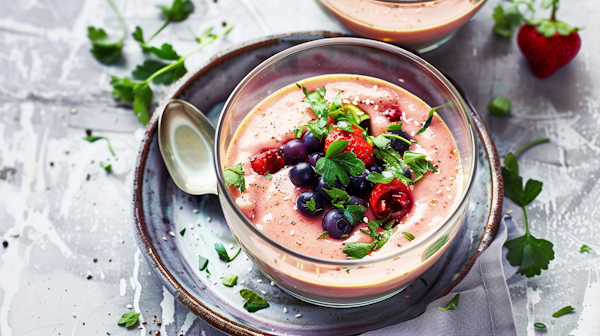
548, 44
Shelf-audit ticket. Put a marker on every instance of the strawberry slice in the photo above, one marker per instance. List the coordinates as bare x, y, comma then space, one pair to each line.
393, 113
392, 199
269, 161
357, 144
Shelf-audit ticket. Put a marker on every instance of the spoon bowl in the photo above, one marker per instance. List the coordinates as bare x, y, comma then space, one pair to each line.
185, 138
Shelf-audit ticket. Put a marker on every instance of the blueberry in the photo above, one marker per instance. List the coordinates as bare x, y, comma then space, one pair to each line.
314, 157
375, 168
407, 173
359, 185
321, 184
336, 224
355, 200
294, 151
306, 197
302, 174
312, 142
399, 145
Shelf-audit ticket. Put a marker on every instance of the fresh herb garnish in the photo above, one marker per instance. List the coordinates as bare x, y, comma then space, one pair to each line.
107, 167
230, 280
429, 118
452, 304
397, 126
435, 247
235, 175
360, 250
298, 132
91, 138
349, 113
338, 164
539, 325
385, 177
323, 235
424, 281
253, 301
394, 136
203, 262
129, 319
353, 213
499, 106
357, 250
338, 196
508, 20
223, 252
563, 311
419, 164
268, 176
408, 235
103, 49
182, 232
531, 254
317, 102
312, 205
584, 248
178, 11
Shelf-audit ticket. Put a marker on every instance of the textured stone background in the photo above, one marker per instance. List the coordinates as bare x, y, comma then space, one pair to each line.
56, 220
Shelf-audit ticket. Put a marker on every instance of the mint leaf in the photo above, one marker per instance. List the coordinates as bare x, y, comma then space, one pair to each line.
235, 175
222, 252
178, 11
338, 196
91, 138
584, 248
336, 103
418, 163
381, 141
357, 250
253, 301
318, 128
337, 164
345, 125
531, 254
129, 319
354, 213
103, 49
323, 235
452, 304
382, 239
317, 101
429, 118
106, 166
298, 132
312, 205
563, 311
384, 178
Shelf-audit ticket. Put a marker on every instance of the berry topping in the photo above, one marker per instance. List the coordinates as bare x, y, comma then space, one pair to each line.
336, 224
294, 151
314, 157
393, 113
390, 199
321, 184
269, 161
399, 145
312, 142
302, 174
355, 200
359, 185
358, 145
310, 203
375, 168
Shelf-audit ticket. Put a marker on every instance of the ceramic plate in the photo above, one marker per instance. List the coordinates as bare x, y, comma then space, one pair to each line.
160, 208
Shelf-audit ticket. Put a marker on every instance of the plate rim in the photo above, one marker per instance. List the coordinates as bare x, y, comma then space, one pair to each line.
168, 280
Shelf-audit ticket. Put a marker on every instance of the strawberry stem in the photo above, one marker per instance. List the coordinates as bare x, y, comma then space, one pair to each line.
554, 8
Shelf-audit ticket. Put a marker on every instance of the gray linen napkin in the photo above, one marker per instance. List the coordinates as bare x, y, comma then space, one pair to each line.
484, 306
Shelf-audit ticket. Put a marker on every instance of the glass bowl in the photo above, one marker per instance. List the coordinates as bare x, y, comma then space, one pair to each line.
420, 25
345, 283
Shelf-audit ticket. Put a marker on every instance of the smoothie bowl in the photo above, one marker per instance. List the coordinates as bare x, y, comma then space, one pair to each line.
344, 168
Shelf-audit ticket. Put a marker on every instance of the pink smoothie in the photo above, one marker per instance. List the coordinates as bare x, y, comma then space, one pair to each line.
271, 204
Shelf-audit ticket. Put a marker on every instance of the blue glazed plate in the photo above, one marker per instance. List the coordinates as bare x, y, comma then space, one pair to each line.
161, 211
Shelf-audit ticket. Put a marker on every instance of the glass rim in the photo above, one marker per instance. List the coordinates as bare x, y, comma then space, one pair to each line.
358, 42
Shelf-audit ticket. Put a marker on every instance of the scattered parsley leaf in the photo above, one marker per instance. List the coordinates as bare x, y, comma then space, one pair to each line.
397, 126
539, 325
182, 232
298, 132
317, 101
385, 177
222, 252
141, 103
268, 176
178, 11
584, 248
337, 164
91, 138
338, 196
318, 128
452, 304
408, 235
354, 213
138, 34
230, 280
323, 235
202, 262
103, 49
357, 250
499, 106
509, 20
510, 163
424, 281
165, 52
419, 164
129, 319
429, 118
336, 103
563, 311
122, 89
106, 166
381, 141
383, 238
235, 175
253, 301
149, 67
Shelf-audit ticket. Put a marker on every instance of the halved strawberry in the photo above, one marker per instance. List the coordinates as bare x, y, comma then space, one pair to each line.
392, 199
358, 145
269, 161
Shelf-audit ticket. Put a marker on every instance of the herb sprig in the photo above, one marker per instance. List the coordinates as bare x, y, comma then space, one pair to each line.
360, 250
178, 11
452, 304
529, 253
339, 165
508, 20
104, 49
235, 175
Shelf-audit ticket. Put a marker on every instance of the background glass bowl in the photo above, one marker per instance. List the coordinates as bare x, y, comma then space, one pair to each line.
420, 25
345, 283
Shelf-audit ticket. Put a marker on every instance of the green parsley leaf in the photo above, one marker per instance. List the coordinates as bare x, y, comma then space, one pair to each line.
336, 103
357, 250
345, 125
513, 188
122, 88
418, 163
317, 101
318, 128
452, 304
397, 126
129, 319
509, 20
584, 248
354, 213
429, 118
531, 254
103, 48
91, 138
338, 196
165, 52
510, 163
383, 238
178, 11
253, 301
230, 280
141, 103
338, 164
182, 232
149, 67
563, 311
106, 166
381, 141
268, 176
298, 132
323, 235
138, 34
312, 205
235, 175
539, 325
499, 106
384, 178
222, 252
408, 235
202, 263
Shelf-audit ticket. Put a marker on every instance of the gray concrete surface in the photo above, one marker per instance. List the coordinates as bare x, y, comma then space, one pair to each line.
59, 210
